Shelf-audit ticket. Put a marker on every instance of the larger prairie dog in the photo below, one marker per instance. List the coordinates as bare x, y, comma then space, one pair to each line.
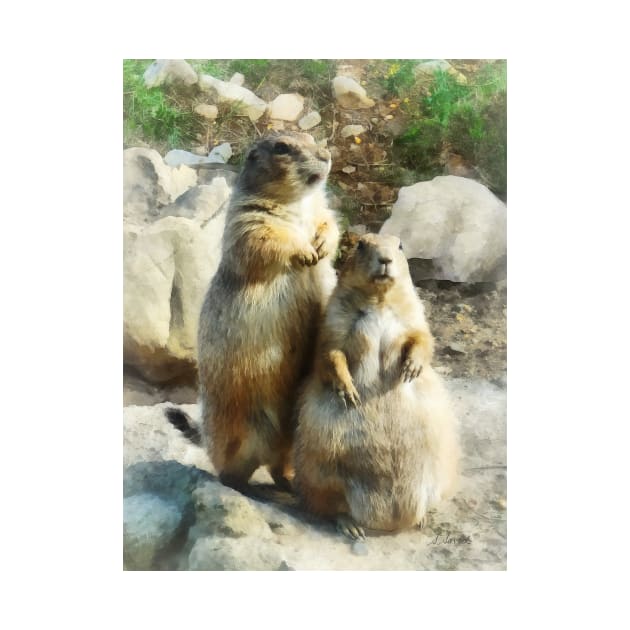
259, 319
376, 444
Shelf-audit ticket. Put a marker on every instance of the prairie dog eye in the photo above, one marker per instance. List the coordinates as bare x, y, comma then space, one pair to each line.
360, 246
280, 148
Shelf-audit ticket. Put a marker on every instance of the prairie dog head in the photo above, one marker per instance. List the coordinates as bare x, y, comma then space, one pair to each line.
284, 167
376, 264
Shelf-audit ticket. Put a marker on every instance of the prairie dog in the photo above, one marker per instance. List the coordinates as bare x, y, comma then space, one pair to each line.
376, 443
260, 315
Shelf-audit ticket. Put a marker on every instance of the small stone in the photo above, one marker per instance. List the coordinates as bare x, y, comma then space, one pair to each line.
435, 65
388, 117
285, 567
227, 92
309, 121
207, 111
352, 130
359, 548
501, 503
237, 78
348, 93
220, 153
374, 121
349, 169
169, 71
286, 107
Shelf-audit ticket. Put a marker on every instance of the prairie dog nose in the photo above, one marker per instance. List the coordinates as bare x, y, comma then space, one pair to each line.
384, 261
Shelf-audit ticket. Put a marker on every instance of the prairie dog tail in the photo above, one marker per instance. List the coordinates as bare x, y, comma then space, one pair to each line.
182, 421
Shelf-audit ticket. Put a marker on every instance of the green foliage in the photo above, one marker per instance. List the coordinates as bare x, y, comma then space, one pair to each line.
400, 76
149, 114
468, 118
254, 70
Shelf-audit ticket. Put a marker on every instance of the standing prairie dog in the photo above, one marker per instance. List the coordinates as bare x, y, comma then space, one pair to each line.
376, 442
260, 315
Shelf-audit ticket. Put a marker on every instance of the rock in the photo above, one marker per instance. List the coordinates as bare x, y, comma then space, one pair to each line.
226, 554
149, 183
286, 107
149, 525
352, 130
167, 71
359, 548
237, 78
435, 65
225, 512
170, 480
208, 175
455, 222
167, 267
309, 121
349, 169
226, 92
177, 157
207, 111
455, 348
200, 202
221, 153
348, 93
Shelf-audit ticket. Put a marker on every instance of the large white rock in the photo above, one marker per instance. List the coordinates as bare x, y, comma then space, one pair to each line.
350, 94
167, 268
228, 92
149, 183
286, 107
169, 71
456, 222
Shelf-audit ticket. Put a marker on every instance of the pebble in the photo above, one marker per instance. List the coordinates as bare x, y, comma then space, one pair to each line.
207, 111
349, 169
310, 120
352, 130
359, 548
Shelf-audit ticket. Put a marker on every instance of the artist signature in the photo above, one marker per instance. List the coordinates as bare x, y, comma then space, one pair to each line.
448, 539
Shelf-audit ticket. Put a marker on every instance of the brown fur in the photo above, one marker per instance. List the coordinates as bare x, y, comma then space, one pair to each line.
261, 312
374, 420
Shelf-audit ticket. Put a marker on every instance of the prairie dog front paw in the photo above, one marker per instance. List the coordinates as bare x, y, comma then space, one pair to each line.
306, 257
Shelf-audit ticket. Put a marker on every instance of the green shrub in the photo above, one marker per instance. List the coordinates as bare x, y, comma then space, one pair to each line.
468, 118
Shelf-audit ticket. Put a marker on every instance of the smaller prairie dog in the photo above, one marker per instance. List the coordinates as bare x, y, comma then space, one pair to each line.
376, 444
